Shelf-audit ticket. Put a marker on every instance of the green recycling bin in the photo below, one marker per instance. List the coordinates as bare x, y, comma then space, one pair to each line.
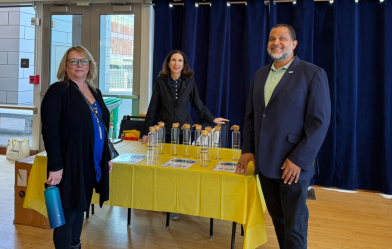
112, 104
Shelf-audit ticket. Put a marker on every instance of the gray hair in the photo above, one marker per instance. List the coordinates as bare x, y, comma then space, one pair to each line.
291, 30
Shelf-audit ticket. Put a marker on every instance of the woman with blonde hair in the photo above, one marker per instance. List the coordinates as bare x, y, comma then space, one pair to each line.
74, 116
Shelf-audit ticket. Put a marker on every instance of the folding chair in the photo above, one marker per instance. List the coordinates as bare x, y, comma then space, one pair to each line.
132, 123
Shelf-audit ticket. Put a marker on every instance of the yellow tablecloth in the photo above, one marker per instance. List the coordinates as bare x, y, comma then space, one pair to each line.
195, 191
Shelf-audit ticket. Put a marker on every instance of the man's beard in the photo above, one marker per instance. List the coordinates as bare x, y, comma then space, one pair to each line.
287, 51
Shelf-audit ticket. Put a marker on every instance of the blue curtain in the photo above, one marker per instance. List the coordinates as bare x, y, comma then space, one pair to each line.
363, 86
224, 45
169, 23
351, 41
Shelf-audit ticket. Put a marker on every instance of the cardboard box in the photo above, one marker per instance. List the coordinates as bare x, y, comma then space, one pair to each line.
25, 216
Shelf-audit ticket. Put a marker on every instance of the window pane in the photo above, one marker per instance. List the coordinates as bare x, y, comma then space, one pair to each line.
66, 31
116, 53
17, 43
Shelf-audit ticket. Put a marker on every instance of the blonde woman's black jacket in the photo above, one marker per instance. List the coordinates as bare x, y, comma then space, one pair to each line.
163, 107
68, 134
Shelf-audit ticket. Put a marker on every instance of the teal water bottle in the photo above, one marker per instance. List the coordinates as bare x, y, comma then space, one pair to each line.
54, 206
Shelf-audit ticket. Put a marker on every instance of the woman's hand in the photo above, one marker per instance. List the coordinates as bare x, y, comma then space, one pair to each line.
220, 121
144, 139
55, 177
110, 166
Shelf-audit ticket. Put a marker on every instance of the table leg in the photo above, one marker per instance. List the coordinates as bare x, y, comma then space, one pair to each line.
129, 217
211, 228
233, 235
167, 220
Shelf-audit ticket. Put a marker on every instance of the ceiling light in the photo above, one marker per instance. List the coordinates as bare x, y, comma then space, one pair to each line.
202, 3
284, 1
236, 2
173, 4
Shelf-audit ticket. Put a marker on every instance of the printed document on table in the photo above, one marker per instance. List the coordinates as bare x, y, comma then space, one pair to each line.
225, 167
129, 158
179, 163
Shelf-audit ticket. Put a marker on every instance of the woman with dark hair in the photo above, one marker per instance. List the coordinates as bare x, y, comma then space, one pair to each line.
74, 138
174, 89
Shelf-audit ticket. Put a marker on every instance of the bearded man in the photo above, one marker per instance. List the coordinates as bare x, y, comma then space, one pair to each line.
286, 120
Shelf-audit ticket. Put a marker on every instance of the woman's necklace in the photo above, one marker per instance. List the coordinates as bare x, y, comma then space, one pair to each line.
85, 90
94, 109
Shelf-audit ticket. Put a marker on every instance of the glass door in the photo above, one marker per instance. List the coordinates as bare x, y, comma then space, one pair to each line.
112, 35
118, 51
64, 26
66, 32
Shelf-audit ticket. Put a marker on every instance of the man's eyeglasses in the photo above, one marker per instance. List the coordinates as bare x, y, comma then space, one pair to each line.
75, 62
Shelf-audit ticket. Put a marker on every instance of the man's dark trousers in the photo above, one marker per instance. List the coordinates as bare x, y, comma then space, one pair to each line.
287, 206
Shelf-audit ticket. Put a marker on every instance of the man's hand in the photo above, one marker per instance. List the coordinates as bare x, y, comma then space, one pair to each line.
55, 177
291, 172
242, 164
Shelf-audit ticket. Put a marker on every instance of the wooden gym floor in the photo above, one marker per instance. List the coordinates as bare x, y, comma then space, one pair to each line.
337, 220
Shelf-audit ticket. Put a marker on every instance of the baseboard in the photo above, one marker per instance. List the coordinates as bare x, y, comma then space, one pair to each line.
3, 151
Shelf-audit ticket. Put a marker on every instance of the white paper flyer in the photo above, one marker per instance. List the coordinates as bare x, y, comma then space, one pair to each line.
179, 163
225, 167
129, 158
